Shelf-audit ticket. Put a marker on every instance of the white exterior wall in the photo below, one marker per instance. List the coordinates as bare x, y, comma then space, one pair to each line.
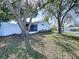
9, 28
42, 26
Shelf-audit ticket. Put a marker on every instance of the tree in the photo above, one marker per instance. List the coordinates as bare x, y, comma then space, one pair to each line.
21, 9
16, 12
60, 9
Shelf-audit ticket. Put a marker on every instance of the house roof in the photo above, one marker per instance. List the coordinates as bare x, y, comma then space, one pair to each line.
35, 20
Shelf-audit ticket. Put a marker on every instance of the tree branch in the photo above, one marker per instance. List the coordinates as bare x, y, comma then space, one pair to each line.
10, 7
18, 19
51, 1
18, 8
54, 15
71, 6
25, 13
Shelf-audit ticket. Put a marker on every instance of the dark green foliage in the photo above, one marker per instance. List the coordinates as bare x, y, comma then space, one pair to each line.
5, 14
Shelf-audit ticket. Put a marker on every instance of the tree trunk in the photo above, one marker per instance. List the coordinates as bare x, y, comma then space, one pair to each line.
30, 23
59, 27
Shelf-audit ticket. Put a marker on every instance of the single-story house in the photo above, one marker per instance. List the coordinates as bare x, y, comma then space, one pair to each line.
12, 27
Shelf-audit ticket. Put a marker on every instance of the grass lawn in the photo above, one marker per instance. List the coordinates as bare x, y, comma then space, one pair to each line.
48, 45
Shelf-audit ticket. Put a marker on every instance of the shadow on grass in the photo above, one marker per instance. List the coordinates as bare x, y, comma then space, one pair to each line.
35, 55
67, 47
68, 44
32, 53
72, 37
46, 32
21, 53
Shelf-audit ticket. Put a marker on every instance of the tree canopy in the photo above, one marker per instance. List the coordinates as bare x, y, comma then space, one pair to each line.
60, 9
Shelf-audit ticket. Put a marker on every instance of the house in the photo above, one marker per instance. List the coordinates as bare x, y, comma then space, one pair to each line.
12, 27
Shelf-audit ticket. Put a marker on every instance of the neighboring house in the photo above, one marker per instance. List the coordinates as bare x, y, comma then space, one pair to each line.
74, 19
73, 25
74, 22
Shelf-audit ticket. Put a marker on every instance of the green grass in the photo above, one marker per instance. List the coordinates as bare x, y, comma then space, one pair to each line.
17, 48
